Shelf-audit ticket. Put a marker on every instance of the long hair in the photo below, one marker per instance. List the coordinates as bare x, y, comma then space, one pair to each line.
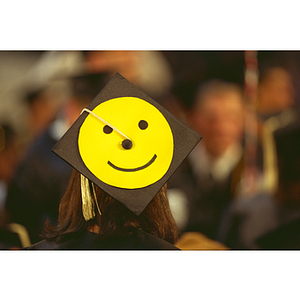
115, 219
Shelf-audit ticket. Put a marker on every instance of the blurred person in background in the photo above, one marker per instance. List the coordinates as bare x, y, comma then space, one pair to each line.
11, 148
285, 234
276, 92
256, 222
42, 178
209, 180
276, 107
42, 109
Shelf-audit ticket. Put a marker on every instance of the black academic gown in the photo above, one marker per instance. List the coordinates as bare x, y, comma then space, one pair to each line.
137, 240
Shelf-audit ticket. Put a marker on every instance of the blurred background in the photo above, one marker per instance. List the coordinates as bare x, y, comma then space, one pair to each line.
238, 189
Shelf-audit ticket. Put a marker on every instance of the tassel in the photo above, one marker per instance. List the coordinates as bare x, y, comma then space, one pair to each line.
87, 201
95, 199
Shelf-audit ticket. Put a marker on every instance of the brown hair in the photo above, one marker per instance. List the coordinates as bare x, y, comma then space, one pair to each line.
115, 220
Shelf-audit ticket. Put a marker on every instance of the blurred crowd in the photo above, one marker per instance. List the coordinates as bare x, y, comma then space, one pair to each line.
238, 189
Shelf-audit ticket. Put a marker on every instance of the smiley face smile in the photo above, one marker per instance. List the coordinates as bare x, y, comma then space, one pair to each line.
134, 169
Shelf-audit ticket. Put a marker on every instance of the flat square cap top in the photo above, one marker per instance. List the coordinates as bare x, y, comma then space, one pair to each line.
127, 144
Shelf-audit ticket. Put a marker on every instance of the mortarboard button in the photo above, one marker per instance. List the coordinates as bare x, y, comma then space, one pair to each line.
127, 144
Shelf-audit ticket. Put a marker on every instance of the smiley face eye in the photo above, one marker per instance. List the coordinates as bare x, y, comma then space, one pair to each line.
107, 129
143, 124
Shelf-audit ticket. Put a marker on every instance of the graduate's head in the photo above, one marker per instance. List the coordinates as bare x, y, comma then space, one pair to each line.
218, 114
126, 145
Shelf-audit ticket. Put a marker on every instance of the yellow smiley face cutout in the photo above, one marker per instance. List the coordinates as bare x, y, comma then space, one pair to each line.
126, 142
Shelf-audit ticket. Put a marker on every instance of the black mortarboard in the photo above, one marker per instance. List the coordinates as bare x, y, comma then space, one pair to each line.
127, 144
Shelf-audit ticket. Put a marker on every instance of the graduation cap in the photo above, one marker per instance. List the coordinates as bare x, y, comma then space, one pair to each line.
127, 144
